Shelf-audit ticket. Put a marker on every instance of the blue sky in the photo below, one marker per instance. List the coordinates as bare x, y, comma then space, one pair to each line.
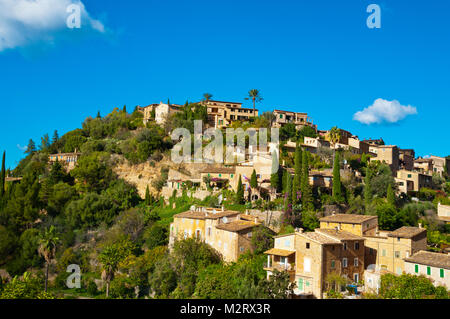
317, 57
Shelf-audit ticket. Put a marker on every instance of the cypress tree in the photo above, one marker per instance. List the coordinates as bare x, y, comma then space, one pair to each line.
254, 180
98, 115
337, 195
240, 192
147, 196
3, 176
284, 181
275, 181
296, 183
307, 200
390, 195
367, 189
124, 110
288, 193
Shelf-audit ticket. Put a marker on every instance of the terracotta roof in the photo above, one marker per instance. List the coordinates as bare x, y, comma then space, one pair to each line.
347, 218
429, 258
279, 252
407, 232
222, 170
206, 215
281, 111
444, 218
237, 225
319, 238
224, 102
339, 234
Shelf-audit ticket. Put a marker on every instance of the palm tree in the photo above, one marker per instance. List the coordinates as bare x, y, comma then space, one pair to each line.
110, 258
207, 97
335, 135
47, 248
256, 97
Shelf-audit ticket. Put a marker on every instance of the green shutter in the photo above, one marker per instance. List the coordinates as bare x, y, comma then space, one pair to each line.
300, 284
416, 268
441, 273
428, 270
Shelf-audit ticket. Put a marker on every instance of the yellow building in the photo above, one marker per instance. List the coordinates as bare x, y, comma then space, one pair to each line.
360, 225
385, 249
223, 230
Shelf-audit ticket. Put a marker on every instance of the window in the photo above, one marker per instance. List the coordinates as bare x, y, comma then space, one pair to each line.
355, 262
416, 269
344, 262
441, 273
345, 246
307, 265
356, 246
209, 231
241, 249
249, 235
409, 175
287, 243
398, 238
307, 245
397, 254
333, 264
428, 270
356, 278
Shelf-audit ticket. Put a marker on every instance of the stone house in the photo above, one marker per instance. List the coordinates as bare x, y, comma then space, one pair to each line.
418, 179
223, 230
317, 254
300, 120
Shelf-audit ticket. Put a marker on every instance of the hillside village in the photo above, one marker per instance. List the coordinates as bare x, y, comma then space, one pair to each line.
342, 217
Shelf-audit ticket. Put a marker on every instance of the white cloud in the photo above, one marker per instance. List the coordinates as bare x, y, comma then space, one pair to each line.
27, 21
22, 148
383, 111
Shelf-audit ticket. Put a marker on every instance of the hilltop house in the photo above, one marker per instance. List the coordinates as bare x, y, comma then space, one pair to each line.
222, 114
68, 160
300, 120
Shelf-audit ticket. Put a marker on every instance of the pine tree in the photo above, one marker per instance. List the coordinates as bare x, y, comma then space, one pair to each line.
31, 148
337, 195
390, 195
98, 115
254, 180
55, 137
45, 142
3, 176
240, 192
307, 199
296, 183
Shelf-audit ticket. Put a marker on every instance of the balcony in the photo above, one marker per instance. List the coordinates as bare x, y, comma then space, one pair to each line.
279, 266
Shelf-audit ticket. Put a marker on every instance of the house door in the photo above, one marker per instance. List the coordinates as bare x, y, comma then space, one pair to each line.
356, 278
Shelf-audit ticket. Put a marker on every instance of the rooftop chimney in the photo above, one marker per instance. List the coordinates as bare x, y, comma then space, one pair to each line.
222, 208
420, 225
300, 230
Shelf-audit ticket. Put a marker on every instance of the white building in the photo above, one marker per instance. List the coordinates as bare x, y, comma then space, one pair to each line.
434, 266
